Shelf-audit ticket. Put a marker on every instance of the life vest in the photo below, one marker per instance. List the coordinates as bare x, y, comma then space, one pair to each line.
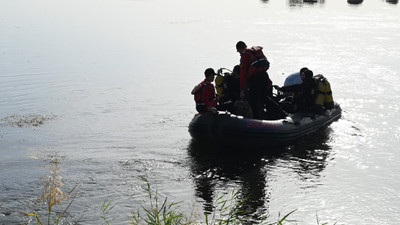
197, 92
257, 59
252, 61
323, 98
258, 63
219, 85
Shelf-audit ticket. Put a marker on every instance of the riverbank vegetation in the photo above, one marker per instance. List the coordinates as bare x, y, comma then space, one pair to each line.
54, 203
228, 211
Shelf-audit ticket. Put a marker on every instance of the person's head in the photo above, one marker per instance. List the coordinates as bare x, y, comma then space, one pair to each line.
236, 70
306, 75
240, 47
210, 73
303, 69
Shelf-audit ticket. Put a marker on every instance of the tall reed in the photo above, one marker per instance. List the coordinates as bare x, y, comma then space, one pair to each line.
227, 212
52, 196
157, 212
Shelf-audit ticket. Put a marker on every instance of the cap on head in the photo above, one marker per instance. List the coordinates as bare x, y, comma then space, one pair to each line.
240, 45
208, 72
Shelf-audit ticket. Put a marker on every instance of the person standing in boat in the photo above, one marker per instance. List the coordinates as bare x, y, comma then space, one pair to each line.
254, 77
204, 93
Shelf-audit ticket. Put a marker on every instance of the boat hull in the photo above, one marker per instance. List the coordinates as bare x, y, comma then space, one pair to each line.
229, 129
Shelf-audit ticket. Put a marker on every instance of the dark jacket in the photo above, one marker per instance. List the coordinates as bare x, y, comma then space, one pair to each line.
304, 93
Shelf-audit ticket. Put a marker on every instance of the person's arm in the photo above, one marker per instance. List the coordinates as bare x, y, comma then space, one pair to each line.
244, 65
291, 88
196, 89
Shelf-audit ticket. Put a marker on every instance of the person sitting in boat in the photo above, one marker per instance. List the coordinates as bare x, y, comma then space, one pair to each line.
313, 94
232, 85
293, 79
286, 101
204, 93
303, 93
229, 86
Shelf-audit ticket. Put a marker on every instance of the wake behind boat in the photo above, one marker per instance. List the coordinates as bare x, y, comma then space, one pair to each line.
232, 130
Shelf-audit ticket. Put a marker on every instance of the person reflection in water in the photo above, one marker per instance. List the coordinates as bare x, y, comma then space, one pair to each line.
211, 172
204, 93
215, 171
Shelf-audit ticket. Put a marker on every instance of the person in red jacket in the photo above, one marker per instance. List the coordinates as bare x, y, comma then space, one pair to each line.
254, 78
204, 93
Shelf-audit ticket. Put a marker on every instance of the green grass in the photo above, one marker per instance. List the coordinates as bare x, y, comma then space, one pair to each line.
228, 211
158, 212
155, 210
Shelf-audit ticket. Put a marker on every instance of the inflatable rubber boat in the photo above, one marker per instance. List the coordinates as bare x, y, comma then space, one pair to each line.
232, 130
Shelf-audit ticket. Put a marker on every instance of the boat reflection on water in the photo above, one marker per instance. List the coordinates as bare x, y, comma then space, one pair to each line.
216, 170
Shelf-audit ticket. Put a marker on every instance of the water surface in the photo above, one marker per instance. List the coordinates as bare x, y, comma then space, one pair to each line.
104, 87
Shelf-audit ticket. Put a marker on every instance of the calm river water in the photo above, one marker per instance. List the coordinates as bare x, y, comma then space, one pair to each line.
103, 88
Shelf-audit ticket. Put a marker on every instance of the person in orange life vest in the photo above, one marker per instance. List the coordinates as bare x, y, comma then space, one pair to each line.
254, 77
204, 93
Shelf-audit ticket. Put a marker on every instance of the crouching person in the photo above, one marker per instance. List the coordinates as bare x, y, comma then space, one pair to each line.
204, 93
313, 94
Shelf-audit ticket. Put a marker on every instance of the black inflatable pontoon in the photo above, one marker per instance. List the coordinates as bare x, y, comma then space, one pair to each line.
229, 129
